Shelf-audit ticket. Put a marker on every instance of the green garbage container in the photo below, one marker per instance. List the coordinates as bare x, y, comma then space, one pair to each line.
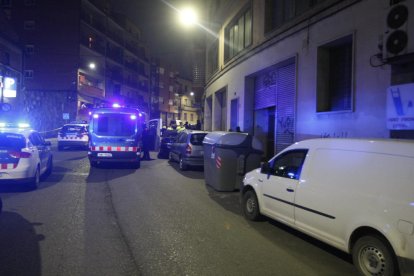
228, 156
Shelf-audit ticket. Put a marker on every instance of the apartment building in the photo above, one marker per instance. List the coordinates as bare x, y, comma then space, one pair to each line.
290, 70
77, 54
172, 96
11, 62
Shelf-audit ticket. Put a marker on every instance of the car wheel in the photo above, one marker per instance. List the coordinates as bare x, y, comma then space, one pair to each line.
36, 179
183, 166
250, 206
49, 166
372, 255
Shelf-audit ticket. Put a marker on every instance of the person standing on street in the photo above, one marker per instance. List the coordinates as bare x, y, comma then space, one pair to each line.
146, 143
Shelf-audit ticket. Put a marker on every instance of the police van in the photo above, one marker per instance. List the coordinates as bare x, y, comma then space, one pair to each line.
115, 136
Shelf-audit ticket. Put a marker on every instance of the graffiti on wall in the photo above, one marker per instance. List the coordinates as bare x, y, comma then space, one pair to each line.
342, 134
285, 125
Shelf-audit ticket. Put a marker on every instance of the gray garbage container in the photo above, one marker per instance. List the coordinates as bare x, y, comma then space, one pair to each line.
228, 156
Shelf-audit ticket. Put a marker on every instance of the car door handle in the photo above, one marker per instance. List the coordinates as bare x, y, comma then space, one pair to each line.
260, 180
290, 190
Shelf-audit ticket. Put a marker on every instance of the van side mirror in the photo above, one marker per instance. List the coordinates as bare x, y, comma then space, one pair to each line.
266, 169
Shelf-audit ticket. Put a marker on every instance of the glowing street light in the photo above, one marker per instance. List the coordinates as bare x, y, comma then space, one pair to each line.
191, 93
188, 17
92, 65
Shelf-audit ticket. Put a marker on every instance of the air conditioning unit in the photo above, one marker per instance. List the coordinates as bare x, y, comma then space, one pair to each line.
399, 33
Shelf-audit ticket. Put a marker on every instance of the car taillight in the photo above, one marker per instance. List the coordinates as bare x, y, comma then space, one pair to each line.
19, 154
188, 149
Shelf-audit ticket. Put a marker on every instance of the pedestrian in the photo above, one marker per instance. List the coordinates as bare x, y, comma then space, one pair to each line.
146, 140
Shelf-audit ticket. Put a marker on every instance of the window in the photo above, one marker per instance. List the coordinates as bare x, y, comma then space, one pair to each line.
334, 75
28, 74
29, 49
287, 165
212, 58
29, 25
238, 34
185, 116
278, 12
191, 117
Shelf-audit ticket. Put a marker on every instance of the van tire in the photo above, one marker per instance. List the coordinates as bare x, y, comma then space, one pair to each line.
372, 255
250, 206
137, 165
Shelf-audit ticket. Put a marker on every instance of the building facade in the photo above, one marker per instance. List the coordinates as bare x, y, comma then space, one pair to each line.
172, 96
291, 70
11, 66
77, 54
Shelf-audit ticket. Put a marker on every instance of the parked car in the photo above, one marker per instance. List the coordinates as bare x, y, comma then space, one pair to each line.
24, 155
168, 138
356, 195
73, 135
188, 150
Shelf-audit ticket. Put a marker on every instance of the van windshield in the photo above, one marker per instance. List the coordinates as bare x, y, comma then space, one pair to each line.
115, 124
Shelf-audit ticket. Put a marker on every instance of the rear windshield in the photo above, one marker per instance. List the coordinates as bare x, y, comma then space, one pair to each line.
114, 124
73, 128
197, 138
13, 141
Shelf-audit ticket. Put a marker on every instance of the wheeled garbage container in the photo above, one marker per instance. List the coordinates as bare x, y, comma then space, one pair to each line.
228, 156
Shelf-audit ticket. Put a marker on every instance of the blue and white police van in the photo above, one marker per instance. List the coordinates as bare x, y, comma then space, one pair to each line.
115, 135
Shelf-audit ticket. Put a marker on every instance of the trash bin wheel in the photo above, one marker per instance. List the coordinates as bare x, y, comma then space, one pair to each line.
183, 166
250, 206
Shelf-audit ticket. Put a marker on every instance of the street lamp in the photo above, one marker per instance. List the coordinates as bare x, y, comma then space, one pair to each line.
188, 17
92, 65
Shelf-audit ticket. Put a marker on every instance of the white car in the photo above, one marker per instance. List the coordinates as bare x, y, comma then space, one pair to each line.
354, 194
73, 135
25, 156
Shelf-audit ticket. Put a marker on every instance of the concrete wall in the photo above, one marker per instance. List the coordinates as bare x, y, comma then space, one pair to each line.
368, 118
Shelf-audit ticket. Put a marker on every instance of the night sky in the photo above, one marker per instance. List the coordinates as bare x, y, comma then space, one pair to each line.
162, 33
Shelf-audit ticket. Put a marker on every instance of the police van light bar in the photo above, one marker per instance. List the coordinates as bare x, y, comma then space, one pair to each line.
116, 105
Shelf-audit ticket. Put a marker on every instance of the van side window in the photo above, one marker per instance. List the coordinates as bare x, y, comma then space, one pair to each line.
289, 164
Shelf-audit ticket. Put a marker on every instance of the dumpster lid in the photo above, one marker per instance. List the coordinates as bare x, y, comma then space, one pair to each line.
224, 138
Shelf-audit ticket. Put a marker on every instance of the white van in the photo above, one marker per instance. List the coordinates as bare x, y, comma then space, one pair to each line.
356, 195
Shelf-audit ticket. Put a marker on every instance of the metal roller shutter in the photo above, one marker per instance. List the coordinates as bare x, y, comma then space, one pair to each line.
285, 107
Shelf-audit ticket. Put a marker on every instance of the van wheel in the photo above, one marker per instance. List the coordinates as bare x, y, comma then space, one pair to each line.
372, 255
183, 166
250, 206
137, 165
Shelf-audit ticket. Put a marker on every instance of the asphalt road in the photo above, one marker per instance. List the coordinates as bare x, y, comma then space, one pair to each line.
155, 220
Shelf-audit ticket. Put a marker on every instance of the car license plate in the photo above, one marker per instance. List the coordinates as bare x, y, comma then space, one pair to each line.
104, 154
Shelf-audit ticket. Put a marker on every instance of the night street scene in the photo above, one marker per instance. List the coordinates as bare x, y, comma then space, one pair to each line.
206, 137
